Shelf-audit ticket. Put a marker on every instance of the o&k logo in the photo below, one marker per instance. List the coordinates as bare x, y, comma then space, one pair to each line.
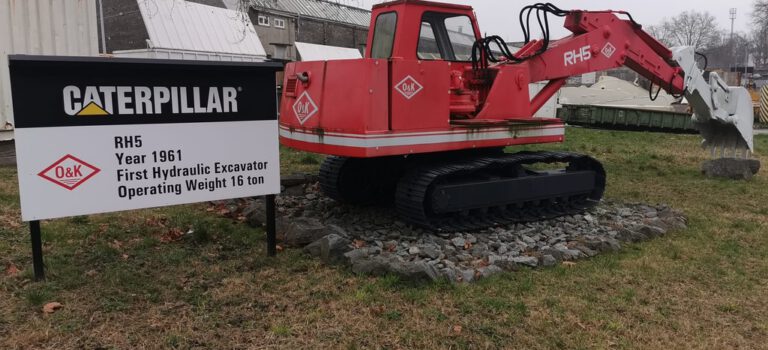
304, 107
408, 87
69, 172
608, 50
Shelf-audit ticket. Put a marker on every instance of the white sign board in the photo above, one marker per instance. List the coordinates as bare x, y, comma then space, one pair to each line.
111, 135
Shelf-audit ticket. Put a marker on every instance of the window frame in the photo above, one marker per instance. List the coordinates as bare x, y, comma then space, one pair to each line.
394, 34
266, 20
441, 35
279, 20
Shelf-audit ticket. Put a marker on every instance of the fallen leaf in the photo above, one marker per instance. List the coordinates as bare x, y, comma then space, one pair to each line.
359, 243
91, 273
467, 245
390, 248
116, 244
125, 256
172, 235
279, 248
569, 263
51, 307
377, 310
241, 218
457, 329
11, 270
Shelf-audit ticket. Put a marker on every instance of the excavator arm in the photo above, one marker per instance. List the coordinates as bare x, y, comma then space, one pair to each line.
601, 41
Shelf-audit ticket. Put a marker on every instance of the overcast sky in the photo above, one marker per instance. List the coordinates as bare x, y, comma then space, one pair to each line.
501, 17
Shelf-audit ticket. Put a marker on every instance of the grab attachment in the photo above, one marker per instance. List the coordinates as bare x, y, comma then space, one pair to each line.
723, 114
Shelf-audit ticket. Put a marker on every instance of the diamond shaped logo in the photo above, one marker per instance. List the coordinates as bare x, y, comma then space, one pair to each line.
69, 172
608, 50
408, 87
304, 107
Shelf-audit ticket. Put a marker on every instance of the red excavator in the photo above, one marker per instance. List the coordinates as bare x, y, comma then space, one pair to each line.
424, 118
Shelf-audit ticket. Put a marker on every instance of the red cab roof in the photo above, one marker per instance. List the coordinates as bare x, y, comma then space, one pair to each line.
423, 3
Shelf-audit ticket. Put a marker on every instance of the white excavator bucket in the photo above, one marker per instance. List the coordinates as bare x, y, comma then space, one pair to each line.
723, 114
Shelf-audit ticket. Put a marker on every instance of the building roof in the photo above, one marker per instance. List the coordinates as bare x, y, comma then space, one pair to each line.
182, 25
315, 52
320, 9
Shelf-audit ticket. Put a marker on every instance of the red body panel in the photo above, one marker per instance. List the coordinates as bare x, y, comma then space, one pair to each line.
404, 105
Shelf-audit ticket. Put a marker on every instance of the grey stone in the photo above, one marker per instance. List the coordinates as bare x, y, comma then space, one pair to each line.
458, 242
465, 257
450, 275
675, 223
333, 247
313, 249
376, 266
586, 251
467, 276
255, 213
570, 254
479, 250
596, 244
493, 259
489, 271
553, 252
429, 252
414, 250
302, 231
416, 272
548, 260
627, 235
356, 254
613, 244
731, 168
651, 231
531, 261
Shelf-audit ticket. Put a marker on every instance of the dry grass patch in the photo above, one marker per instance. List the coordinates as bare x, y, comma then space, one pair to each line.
124, 284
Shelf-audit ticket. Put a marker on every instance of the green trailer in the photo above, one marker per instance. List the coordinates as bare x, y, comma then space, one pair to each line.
621, 118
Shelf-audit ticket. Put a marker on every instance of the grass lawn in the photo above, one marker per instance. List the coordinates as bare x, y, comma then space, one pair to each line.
135, 280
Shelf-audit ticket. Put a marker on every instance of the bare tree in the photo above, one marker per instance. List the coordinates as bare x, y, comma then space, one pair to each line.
760, 31
690, 28
659, 32
760, 13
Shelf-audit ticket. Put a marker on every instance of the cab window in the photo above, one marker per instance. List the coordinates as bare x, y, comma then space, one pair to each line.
446, 36
384, 35
428, 49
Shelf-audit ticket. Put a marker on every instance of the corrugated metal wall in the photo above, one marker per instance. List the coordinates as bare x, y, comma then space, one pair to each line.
43, 27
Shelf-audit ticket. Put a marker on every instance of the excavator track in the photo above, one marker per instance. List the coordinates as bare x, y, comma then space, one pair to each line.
360, 180
474, 193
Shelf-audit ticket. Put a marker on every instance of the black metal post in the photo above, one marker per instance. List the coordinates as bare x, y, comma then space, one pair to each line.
271, 227
37, 250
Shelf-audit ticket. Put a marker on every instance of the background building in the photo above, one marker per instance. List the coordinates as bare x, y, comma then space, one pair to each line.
282, 23
41, 27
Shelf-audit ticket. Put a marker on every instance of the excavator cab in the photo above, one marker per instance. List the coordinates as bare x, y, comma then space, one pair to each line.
430, 32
